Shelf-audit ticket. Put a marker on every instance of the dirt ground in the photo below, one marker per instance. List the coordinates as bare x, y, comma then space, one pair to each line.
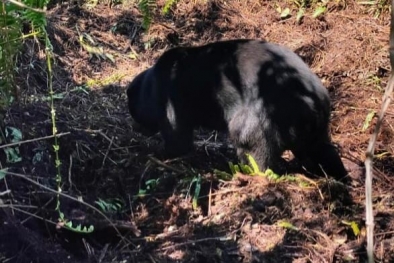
245, 219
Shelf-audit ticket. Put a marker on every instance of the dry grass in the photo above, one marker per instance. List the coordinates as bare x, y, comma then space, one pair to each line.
247, 219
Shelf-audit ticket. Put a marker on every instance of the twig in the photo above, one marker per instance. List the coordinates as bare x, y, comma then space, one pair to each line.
371, 146
8, 189
210, 200
20, 206
108, 149
98, 132
34, 215
6, 192
368, 169
39, 209
222, 239
20, 4
69, 173
160, 163
34, 140
384, 233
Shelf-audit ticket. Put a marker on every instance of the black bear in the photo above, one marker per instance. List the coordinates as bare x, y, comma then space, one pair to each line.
262, 94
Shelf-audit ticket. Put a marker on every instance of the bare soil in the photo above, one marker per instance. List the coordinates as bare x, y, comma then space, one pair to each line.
245, 219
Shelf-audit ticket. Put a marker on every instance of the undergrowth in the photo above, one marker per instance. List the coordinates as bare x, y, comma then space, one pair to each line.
31, 13
147, 7
10, 43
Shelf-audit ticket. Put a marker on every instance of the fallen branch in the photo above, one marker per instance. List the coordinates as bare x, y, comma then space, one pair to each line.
221, 239
34, 140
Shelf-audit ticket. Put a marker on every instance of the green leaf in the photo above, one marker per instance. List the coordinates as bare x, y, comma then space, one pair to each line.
151, 184
146, 7
110, 57
3, 173
168, 5
300, 15
253, 163
355, 228
232, 167
61, 216
223, 175
246, 169
368, 120
12, 154
353, 225
285, 13
197, 190
236, 168
14, 132
270, 174
100, 204
141, 193
319, 11
37, 158
110, 206
79, 228
287, 225
367, 2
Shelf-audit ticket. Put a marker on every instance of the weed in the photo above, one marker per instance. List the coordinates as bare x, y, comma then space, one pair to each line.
111, 205
368, 120
354, 226
88, 43
106, 81
168, 5
376, 7
375, 81
146, 7
319, 8
10, 43
287, 225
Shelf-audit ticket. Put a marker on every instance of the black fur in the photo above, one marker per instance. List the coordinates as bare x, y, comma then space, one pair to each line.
262, 94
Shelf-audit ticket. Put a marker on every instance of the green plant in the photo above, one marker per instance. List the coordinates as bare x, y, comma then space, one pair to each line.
111, 205
368, 120
168, 5
287, 225
319, 7
14, 14
354, 226
375, 81
3, 173
197, 182
88, 43
38, 23
146, 7
10, 43
150, 185
252, 169
249, 169
69, 225
12, 153
116, 77
376, 7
